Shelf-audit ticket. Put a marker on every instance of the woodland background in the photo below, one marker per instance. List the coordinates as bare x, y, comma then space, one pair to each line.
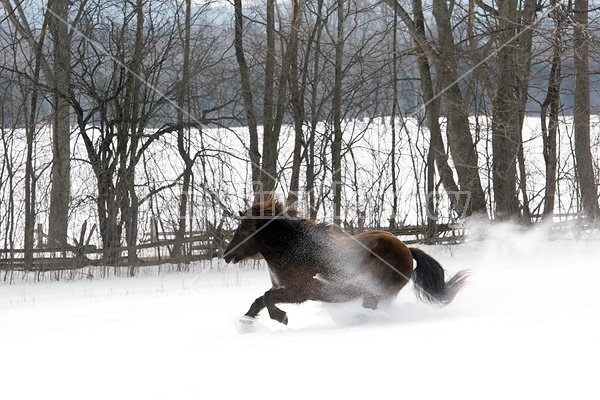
123, 119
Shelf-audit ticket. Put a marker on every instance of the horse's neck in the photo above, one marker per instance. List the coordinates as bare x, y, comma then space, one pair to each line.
283, 238
288, 245
275, 235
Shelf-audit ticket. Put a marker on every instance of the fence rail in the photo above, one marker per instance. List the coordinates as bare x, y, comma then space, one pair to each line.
194, 248
155, 251
200, 246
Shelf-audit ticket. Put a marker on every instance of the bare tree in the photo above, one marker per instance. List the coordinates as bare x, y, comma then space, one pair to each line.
115, 104
336, 143
57, 82
61, 128
513, 61
395, 106
550, 123
251, 116
264, 168
460, 140
459, 136
581, 116
275, 101
30, 128
432, 111
297, 91
313, 47
188, 162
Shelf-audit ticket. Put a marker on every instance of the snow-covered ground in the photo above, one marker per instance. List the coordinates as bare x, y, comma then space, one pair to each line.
526, 327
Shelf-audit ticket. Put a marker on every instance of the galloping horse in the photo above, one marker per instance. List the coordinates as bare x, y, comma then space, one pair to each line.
314, 261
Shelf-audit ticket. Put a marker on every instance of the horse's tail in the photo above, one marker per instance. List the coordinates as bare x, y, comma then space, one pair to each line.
429, 283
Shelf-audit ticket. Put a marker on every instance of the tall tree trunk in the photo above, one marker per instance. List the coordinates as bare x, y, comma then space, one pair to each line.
525, 46
506, 121
269, 161
181, 146
314, 116
431, 230
460, 140
275, 103
132, 128
550, 127
101, 161
425, 52
432, 111
581, 116
247, 96
61, 145
336, 143
297, 100
30, 133
395, 106
30, 182
436, 151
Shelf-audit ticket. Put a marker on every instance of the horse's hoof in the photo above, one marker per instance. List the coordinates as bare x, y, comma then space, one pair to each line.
284, 320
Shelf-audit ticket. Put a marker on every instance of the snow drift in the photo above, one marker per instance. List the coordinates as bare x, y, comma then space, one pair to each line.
526, 326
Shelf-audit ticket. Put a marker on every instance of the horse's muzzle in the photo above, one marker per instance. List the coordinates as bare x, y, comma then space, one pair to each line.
230, 258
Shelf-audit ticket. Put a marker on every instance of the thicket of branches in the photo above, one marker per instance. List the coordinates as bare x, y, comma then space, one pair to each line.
128, 115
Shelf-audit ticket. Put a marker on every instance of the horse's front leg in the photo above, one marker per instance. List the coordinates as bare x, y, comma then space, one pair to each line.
282, 295
256, 307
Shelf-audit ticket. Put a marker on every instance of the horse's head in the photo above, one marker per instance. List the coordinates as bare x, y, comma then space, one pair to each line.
243, 244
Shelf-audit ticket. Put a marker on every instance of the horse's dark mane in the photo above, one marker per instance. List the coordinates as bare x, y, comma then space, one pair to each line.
273, 207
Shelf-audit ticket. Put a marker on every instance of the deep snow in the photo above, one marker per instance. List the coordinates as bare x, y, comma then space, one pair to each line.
526, 326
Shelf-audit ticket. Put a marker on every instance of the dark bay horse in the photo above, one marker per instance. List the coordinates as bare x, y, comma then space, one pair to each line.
312, 261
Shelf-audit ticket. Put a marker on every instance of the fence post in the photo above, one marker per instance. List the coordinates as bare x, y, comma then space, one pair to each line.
40, 236
153, 229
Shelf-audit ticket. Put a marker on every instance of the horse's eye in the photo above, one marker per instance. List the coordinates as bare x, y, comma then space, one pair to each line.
241, 213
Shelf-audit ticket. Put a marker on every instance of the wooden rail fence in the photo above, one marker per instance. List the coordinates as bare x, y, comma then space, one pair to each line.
158, 247
155, 251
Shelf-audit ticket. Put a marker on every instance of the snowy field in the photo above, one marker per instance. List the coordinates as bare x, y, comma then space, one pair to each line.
526, 327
